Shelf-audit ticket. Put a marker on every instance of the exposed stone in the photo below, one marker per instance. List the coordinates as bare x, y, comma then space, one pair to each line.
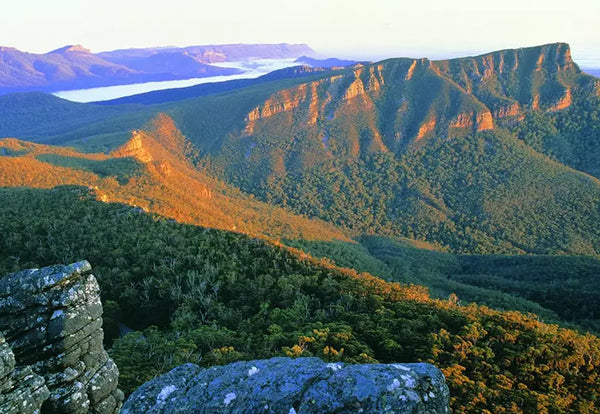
135, 148
376, 79
536, 102
411, 70
21, 391
426, 128
564, 102
356, 88
462, 121
302, 386
484, 121
507, 110
51, 318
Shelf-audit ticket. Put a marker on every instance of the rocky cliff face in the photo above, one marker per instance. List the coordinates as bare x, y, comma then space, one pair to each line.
285, 385
51, 319
21, 391
396, 103
540, 77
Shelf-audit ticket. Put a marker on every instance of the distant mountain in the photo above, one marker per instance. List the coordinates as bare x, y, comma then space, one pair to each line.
75, 67
592, 71
180, 65
325, 63
212, 53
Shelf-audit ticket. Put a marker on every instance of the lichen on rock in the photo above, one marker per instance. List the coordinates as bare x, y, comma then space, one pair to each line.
52, 320
21, 391
286, 385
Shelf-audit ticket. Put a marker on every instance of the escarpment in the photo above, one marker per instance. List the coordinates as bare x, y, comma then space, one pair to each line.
510, 81
52, 320
390, 105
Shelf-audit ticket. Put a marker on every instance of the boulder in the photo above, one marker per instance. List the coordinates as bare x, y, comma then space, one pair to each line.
286, 385
51, 319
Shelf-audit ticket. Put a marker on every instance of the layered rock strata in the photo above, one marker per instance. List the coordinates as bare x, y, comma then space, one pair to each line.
21, 391
51, 319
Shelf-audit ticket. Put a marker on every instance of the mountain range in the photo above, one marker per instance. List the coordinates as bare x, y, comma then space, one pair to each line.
429, 150
493, 154
324, 63
477, 177
75, 67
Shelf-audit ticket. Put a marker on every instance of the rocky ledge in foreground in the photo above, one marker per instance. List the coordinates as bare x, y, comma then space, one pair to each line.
51, 318
21, 391
288, 386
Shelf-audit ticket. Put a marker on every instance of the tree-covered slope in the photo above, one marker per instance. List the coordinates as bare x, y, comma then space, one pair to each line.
556, 288
324, 145
409, 148
482, 193
153, 171
217, 296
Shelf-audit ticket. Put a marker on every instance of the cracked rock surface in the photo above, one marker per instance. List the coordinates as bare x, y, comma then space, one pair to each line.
52, 320
21, 391
302, 385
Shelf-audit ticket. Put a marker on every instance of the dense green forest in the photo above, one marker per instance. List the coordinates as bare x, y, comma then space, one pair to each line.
483, 193
212, 297
569, 136
558, 289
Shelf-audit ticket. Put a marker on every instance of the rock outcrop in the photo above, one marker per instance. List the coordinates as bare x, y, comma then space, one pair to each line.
51, 319
285, 385
21, 391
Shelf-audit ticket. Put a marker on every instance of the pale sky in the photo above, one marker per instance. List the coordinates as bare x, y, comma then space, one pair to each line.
366, 29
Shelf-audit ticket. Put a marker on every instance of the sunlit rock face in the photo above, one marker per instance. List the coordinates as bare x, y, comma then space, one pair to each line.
51, 319
398, 103
302, 385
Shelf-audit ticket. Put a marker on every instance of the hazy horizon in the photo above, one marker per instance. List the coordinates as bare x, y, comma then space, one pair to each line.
387, 28
585, 59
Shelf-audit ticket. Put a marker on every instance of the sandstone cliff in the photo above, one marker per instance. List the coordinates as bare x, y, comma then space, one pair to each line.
389, 105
